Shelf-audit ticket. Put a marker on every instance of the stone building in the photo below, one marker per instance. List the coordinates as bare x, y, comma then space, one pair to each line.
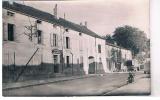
39, 43
116, 57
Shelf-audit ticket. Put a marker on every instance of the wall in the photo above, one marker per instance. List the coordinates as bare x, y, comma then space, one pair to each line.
84, 46
125, 55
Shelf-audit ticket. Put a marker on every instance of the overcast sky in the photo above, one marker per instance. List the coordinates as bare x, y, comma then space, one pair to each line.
102, 16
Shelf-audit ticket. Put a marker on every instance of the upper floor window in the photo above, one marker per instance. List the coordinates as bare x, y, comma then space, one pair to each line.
99, 48
55, 40
67, 42
10, 13
11, 32
39, 33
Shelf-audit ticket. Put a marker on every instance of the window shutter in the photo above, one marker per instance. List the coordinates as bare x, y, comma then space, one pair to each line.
56, 40
69, 43
51, 39
64, 42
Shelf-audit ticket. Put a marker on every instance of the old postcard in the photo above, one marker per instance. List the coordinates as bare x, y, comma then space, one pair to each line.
76, 48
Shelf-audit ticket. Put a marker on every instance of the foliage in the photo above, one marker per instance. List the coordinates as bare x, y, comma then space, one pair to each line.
109, 39
113, 55
130, 38
141, 58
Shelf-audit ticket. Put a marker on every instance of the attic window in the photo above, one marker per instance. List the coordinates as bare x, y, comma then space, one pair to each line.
80, 34
10, 13
39, 22
66, 29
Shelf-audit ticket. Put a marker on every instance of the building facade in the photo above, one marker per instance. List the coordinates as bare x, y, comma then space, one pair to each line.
116, 57
45, 44
39, 43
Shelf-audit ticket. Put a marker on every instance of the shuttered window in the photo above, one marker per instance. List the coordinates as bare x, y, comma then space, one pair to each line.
39, 36
99, 48
11, 32
55, 40
67, 42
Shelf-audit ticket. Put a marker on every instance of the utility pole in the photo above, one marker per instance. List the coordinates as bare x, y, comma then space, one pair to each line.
14, 61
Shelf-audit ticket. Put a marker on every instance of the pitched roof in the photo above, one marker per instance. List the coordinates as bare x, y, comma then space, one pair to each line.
38, 14
113, 45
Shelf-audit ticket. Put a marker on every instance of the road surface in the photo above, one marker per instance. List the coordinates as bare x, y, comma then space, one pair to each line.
97, 85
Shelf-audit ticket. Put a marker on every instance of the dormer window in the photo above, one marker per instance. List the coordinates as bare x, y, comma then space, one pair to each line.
80, 34
10, 13
39, 33
66, 29
39, 21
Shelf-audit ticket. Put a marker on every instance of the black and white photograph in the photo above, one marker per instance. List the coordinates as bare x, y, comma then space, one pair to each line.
76, 48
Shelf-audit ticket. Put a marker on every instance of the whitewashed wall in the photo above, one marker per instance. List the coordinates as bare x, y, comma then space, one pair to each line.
22, 46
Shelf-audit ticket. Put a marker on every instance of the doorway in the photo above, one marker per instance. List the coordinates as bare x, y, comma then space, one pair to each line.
56, 64
91, 65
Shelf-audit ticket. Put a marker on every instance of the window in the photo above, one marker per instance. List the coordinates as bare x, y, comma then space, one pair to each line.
56, 67
66, 29
55, 43
39, 33
10, 13
11, 32
81, 61
67, 61
67, 42
99, 48
39, 22
80, 34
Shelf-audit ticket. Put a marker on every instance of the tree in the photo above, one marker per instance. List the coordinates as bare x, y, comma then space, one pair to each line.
130, 38
109, 39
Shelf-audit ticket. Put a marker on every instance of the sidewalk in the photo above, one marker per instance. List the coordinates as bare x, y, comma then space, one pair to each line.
7, 86
140, 87
41, 82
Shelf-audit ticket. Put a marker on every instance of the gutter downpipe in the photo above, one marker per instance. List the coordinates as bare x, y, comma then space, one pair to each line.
95, 57
62, 39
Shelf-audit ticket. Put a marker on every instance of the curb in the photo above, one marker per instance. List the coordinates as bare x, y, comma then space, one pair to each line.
46, 82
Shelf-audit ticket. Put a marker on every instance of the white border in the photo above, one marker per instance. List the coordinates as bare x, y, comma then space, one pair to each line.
155, 60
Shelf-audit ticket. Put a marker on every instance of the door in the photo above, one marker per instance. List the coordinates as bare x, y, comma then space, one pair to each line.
91, 65
56, 64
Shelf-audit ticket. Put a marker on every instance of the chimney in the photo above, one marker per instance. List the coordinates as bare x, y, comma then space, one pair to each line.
85, 23
81, 23
11, 2
64, 16
55, 11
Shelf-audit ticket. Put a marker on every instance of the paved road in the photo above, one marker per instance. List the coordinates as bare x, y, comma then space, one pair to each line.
97, 85
140, 87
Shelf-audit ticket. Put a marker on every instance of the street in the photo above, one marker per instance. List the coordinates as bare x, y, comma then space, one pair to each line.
97, 85
135, 88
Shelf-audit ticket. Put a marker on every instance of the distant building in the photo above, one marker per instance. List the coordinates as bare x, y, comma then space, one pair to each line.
116, 57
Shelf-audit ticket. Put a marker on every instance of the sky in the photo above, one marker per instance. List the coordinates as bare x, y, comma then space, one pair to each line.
102, 16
